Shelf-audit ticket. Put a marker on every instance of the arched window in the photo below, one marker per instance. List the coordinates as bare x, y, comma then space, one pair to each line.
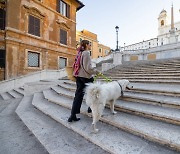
162, 22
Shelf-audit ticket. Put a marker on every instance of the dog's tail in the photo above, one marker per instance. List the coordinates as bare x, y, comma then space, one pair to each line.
93, 92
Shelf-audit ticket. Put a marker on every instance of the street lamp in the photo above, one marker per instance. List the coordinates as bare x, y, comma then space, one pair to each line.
117, 29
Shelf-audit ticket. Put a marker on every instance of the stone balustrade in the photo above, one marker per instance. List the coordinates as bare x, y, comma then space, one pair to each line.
10, 84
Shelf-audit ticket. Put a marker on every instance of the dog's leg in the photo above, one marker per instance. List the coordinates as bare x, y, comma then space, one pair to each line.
96, 116
95, 130
112, 102
95, 119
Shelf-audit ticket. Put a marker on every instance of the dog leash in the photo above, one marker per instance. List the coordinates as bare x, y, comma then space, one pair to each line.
103, 76
108, 80
122, 93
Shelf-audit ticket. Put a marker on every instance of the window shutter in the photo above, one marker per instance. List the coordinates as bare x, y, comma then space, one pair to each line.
34, 26
58, 6
68, 11
31, 25
2, 58
37, 27
63, 36
2, 19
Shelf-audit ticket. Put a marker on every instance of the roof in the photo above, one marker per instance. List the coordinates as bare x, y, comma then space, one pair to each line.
80, 5
163, 11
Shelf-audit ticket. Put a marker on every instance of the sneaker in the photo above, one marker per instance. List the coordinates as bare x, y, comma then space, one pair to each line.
73, 118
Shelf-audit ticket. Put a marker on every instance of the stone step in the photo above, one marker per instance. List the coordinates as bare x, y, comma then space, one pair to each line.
126, 72
6, 96
161, 89
145, 67
20, 91
142, 75
170, 82
165, 114
149, 81
175, 64
154, 107
135, 68
15, 138
158, 92
166, 101
161, 66
155, 131
170, 100
147, 78
14, 94
154, 62
1, 98
4, 104
154, 99
151, 65
52, 135
10, 107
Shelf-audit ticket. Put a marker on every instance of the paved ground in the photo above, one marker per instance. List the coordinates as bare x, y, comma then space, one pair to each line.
15, 137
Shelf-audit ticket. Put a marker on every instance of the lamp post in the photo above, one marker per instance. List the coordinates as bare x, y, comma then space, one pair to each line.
117, 29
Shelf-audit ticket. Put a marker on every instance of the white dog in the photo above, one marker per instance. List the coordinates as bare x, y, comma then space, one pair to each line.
98, 95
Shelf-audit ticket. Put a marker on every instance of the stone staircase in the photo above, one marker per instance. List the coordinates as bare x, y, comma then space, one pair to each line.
147, 119
159, 71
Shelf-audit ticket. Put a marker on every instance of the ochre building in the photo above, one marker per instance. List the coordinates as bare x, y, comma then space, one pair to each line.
97, 50
36, 35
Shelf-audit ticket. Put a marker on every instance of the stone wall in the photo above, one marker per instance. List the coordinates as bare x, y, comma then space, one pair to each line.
18, 41
1, 74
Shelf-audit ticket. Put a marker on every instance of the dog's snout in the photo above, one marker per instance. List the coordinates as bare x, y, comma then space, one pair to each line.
129, 87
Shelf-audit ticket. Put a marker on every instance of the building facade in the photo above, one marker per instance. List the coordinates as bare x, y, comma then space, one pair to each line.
167, 33
97, 50
36, 35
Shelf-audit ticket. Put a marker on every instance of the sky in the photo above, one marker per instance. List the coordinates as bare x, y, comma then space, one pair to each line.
137, 19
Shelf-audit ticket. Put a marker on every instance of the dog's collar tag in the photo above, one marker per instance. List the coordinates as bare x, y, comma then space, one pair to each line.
121, 89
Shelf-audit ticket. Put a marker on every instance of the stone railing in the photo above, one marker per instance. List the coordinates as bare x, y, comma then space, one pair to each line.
160, 52
101, 59
10, 84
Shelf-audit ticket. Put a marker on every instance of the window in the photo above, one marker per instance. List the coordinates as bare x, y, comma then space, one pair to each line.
34, 26
2, 19
162, 41
63, 36
63, 8
62, 62
162, 22
100, 50
33, 59
2, 58
80, 40
106, 52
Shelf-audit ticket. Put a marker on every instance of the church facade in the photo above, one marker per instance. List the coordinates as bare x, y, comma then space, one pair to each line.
167, 33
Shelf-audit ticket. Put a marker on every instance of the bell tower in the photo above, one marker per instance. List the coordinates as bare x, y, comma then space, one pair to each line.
162, 21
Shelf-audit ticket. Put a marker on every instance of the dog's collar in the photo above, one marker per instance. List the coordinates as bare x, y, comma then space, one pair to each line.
121, 89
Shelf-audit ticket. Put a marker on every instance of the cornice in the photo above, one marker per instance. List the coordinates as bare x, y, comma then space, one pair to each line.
34, 37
